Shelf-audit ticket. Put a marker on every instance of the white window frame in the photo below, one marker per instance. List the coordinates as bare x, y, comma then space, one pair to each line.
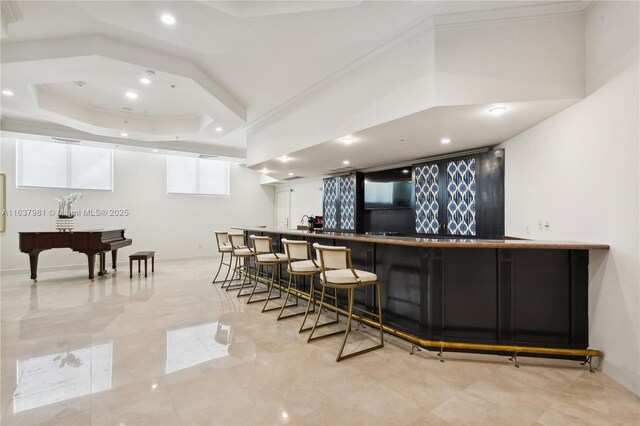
69, 178
197, 174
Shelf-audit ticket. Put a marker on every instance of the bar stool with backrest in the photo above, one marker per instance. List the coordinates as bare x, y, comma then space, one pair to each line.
224, 247
336, 271
242, 255
301, 264
266, 257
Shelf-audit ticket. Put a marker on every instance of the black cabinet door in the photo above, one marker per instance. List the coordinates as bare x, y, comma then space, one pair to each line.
462, 196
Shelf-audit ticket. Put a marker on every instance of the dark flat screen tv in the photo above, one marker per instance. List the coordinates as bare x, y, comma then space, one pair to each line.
388, 189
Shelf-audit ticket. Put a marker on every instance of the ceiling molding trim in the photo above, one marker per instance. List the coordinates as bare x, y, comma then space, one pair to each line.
11, 127
118, 50
434, 22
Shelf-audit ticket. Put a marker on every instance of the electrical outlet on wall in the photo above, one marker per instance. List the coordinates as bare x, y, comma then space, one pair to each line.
547, 225
539, 224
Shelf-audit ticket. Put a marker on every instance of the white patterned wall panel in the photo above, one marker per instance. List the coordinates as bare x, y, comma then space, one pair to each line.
426, 192
348, 202
330, 198
461, 197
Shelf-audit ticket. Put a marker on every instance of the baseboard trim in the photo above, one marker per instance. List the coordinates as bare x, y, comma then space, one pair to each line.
121, 264
626, 378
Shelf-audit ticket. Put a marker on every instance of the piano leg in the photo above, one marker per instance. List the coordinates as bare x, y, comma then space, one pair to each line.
103, 264
33, 263
91, 257
114, 256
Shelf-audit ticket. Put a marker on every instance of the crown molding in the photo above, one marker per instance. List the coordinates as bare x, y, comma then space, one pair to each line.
433, 22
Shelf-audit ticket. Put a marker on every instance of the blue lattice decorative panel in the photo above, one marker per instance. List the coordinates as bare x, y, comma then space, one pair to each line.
426, 188
348, 203
330, 198
461, 197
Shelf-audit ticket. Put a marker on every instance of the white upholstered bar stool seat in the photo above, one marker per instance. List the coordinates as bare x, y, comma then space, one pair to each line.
345, 276
272, 257
303, 266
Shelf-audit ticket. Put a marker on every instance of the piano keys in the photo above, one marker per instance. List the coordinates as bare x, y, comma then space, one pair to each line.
91, 243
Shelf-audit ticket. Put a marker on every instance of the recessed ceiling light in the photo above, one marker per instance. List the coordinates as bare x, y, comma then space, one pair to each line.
145, 81
155, 150
290, 174
80, 83
265, 170
131, 95
347, 139
124, 135
168, 19
7, 93
284, 158
405, 171
497, 110
445, 141
346, 162
218, 129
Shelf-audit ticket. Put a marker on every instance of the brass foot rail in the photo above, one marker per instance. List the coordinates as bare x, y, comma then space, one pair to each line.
416, 341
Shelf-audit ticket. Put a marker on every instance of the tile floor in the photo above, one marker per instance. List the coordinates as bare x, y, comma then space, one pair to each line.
173, 349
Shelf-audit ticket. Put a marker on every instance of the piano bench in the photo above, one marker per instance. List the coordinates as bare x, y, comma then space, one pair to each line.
142, 255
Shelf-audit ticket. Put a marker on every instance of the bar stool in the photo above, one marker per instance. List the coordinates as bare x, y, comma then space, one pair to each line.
264, 256
224, 247
240, 251
301, 264
336, 271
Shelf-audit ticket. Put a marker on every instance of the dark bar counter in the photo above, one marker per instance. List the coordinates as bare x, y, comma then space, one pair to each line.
490, 292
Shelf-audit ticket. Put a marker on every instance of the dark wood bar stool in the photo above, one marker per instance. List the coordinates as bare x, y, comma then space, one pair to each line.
139, 256
336, 271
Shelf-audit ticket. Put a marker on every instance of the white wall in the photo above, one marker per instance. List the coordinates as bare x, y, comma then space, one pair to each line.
306, 198
174, 225
580, 170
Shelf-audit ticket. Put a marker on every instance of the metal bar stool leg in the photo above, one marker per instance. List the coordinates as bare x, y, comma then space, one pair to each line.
235, 270
219, 268
271, 285
348, 329
286, 299
255, 286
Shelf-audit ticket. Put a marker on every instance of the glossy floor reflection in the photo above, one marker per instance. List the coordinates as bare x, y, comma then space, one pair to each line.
173, 349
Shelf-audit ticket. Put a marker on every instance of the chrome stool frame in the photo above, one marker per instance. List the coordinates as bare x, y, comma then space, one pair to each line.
222, 241
337, 272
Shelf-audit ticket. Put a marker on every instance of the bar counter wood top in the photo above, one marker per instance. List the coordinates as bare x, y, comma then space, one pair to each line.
434, 242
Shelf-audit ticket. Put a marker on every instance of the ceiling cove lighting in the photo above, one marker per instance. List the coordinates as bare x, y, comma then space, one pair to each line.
346, 162
145, 81
347, 139
8, 93
218, 129
131, 95
445, 141
168, 19
497, 110
124, 135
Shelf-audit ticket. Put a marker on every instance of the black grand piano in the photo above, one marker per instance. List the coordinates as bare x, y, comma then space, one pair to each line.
90, 243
